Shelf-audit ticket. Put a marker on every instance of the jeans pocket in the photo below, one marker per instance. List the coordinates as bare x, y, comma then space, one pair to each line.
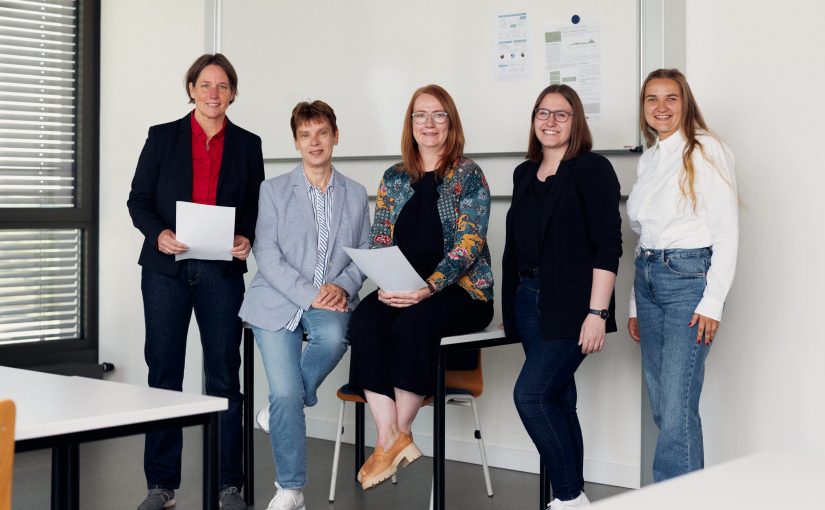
689, 267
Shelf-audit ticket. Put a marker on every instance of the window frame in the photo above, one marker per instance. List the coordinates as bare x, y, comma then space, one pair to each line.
84, 215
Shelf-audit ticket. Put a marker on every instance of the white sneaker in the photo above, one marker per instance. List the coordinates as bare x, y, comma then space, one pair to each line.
287, 499
263, 419
579, 502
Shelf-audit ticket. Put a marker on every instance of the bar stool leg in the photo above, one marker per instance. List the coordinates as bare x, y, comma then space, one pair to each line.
482, 450
336, 455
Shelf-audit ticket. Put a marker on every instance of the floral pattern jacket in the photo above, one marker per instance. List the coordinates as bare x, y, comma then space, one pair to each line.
464, 209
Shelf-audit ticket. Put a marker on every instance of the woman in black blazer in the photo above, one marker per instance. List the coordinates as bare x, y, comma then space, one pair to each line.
561, 255
206, 159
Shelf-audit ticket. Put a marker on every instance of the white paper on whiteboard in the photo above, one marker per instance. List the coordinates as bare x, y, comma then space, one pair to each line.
388, 268
208, 230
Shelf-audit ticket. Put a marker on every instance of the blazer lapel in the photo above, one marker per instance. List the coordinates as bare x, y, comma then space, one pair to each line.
524, 183
184, 156
563, 175
303, 208
339, 197
226, 157
519, 190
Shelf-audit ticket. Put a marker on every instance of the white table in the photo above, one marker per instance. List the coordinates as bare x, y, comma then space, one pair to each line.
59, 412
769, 479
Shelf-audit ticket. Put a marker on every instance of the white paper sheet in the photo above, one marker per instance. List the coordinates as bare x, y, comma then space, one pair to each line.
388, 268
208, 230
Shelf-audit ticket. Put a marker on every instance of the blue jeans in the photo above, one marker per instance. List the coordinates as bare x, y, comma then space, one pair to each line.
168, 302
294, 377
545, 395
668, 286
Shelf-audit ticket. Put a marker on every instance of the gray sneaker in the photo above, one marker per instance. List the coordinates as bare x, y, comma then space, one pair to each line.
231, 499
158, 499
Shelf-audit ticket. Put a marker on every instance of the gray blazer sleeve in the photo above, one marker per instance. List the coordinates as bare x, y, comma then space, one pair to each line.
272, 264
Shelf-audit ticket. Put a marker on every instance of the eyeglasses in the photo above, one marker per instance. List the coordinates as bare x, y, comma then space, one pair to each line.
421, 117
561, 116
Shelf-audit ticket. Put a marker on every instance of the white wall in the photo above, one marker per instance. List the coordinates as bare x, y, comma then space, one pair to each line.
756, 70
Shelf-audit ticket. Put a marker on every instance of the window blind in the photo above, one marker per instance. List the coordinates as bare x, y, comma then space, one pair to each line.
37, 103
39, 284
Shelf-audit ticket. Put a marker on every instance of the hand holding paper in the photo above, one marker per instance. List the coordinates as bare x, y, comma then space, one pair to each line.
169, 244
388, 268
208, 230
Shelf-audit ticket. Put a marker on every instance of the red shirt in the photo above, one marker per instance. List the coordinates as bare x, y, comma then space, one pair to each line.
206, 163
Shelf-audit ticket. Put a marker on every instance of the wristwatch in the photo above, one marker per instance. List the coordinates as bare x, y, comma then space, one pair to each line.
604, 314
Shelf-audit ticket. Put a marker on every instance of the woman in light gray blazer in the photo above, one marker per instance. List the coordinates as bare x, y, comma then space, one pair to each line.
306, 284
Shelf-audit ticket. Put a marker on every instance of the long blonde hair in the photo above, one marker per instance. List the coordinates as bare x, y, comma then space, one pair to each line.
692, 123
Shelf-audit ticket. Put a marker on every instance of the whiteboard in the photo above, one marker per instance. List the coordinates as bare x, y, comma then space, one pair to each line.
366, 57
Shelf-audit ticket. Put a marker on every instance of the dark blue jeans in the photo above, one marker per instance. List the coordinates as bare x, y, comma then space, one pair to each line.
168, 302
545, 395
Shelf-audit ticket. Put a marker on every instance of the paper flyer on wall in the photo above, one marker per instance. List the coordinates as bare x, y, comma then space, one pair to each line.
512, 58
573, 56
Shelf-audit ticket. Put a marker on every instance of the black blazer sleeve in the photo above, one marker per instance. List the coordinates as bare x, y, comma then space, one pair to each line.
146, 214
599, 191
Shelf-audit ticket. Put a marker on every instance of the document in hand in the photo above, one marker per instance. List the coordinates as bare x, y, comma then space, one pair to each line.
208, 230
388, 268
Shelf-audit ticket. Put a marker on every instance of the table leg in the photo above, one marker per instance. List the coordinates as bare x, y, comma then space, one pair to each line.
65, 477
438, 433
248, 421
210, 463
359, 437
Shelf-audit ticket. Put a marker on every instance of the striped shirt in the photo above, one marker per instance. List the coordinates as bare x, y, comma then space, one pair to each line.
321, 202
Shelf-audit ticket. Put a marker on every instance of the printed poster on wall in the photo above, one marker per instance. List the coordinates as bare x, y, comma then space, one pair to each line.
511, 58
573, 56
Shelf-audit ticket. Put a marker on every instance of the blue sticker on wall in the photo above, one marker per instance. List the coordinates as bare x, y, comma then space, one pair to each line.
575, 19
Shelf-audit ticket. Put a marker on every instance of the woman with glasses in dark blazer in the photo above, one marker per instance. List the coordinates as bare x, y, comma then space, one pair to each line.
563, 243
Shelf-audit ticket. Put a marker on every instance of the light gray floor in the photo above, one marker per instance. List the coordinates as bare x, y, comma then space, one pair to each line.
112, 478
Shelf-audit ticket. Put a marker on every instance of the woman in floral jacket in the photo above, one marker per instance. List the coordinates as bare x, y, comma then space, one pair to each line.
434, 206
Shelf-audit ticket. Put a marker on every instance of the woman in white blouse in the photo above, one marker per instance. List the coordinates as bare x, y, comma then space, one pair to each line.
685, 209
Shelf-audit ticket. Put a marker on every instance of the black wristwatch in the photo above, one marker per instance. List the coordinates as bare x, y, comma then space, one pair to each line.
604, 314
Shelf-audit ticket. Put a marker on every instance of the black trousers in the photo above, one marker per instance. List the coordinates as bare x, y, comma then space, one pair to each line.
397, 347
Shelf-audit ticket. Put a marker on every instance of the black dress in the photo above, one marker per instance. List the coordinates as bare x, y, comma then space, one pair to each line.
397, 347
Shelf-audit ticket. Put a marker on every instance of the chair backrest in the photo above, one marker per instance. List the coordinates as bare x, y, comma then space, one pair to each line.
7, 413
471, 381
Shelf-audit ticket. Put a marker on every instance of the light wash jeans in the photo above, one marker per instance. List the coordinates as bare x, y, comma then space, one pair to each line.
294, 376
669, 285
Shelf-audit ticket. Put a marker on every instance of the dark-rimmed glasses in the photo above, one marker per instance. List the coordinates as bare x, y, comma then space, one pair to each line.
561, 116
